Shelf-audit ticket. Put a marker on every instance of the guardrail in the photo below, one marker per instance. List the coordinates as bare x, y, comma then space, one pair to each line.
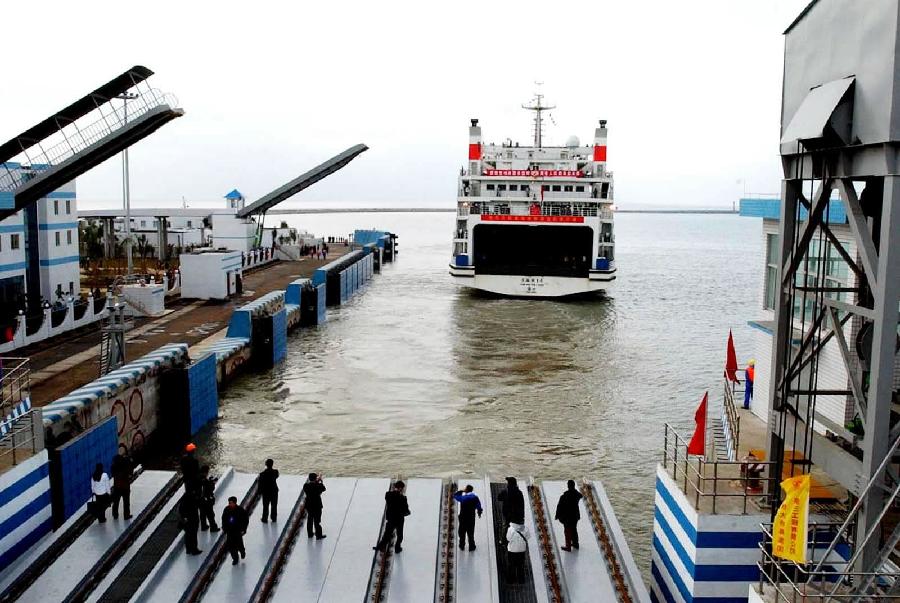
785, 581
732, 419
15, 382
712, 481
25, 432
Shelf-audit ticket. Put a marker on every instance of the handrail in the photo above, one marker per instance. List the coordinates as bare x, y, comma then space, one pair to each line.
22, 434
710, 479
15, 382
731, 414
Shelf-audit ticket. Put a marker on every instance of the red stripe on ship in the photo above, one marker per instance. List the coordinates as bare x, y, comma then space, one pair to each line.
599, 152
509, 218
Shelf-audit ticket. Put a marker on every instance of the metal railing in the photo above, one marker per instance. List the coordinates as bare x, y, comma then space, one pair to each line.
79, 137
15, 383
535, 208
732, 417
712, 481
22, 434
821, 579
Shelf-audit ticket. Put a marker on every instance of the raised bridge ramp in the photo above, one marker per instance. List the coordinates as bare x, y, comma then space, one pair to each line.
282, 564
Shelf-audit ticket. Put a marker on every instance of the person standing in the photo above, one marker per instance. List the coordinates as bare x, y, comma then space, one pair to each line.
268, 489
190, 469
513, 505
750, 374
469, 505
568, 514
234, 522
189, 521
121, 469
313, 489
100, 489
516, 547
207, 500
396, 509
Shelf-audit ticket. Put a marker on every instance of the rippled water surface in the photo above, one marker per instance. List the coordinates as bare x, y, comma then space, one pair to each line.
419, 378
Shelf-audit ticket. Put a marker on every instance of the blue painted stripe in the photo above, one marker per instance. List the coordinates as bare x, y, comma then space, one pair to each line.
7, 200
676, 511
729, 540
22, 484
673, 541
27, 512
12, 228
60, 195
57, 226
726, 573
16, 550
11, 267
672, 570
60, 261
664, 589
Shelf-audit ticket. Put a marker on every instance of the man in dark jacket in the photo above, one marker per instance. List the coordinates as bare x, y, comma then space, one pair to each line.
313, 490
268, 489
121, 470
234, 522
469, 504
189, 520
513, 506
568, 514
207, 500
190, 469
396, 508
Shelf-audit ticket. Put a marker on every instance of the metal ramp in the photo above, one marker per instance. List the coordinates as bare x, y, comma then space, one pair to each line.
525, 591
79, 137
421, 542
476, 571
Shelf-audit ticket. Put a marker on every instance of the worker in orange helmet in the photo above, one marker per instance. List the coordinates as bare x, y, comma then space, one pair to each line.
750, 372
190, 469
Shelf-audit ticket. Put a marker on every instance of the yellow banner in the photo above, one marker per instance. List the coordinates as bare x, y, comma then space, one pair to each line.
790, 527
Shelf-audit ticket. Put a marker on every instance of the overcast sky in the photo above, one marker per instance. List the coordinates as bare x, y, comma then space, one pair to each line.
691, 91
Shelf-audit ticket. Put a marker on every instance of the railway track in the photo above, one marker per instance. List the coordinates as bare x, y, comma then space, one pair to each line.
381, 565
623, 593
275, 565
544, 534
444, 588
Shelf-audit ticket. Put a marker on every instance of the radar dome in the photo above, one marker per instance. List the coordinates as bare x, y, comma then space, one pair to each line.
573, 142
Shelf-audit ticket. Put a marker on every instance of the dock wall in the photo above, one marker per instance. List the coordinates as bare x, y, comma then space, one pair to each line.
700, 557
25, 510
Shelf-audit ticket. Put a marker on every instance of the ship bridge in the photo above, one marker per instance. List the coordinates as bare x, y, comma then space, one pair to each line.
77, 138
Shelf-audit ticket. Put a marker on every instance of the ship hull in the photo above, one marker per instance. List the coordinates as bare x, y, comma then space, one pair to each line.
597, 283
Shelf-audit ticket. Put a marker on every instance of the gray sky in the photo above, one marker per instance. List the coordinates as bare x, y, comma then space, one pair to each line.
691, 90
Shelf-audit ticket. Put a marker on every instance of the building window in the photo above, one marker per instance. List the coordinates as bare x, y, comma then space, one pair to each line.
143, 223
771, 291
68, 206
14, 241
57, 237
154, 223
56, 207
501, 187
68, 237
568, 188
71, 288
579, 189
556, 188
189, 224
513, 187
490, 187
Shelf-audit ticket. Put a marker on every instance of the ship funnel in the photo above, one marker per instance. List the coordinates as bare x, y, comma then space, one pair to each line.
600, 143
474, 141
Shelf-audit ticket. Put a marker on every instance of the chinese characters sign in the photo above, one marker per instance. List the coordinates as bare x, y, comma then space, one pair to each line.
789, 529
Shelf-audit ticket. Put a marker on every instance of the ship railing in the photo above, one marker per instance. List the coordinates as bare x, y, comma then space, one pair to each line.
731, 418
535, 208
715, 486
827, 575
15, 383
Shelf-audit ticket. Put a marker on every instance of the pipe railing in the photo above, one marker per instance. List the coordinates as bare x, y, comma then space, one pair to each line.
713, 481
22, 434
732, 417
15, 383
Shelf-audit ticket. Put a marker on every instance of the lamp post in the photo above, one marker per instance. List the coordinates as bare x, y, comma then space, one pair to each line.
126, 185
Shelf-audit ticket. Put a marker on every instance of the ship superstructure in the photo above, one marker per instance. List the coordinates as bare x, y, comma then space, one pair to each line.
535, 221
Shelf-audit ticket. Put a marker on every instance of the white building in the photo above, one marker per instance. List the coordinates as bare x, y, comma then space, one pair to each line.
39, 248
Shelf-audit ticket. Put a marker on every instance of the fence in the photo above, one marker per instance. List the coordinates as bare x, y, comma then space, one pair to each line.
23, 437
731, 420
711, 483
15, 383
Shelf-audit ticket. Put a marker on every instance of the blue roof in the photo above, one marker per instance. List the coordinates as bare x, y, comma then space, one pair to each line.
771, 209
234, 194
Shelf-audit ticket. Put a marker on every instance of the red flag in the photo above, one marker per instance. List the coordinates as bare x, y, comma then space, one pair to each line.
697, 444
731, 366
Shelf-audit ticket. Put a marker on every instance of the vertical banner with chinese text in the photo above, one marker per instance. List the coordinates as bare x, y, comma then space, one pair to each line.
790, 527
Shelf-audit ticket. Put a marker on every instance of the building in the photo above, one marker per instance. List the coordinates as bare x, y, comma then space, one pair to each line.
39, 256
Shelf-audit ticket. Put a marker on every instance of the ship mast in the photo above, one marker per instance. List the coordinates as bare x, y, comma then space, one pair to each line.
537, 107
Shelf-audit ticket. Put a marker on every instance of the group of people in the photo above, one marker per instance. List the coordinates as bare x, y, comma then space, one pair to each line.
106, 491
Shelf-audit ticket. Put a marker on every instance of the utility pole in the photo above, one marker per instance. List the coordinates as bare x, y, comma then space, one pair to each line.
126, 186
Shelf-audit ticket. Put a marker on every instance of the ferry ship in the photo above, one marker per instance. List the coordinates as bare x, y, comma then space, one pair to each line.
535, 221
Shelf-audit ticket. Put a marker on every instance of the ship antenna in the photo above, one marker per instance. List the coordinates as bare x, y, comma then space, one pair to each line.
537, 107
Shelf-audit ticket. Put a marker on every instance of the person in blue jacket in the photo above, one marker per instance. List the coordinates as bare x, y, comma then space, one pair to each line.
469, 505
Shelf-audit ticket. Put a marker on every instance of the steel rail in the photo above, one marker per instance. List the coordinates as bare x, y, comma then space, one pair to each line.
551, 571
609, 553
444, 591
204, 576
104, 565
381, 564
283, 547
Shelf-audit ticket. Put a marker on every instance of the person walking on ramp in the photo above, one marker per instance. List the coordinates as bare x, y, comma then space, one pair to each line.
513, 505
313, 490
268, 488
207, 500
396, 509
568, 514
469, 504
234, 522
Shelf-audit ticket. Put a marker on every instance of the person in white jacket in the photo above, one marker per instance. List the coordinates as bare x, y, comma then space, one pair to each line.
100, 488
516, 549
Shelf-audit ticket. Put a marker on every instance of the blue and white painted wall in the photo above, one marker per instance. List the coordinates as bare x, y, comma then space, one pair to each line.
25, 512
700, 557
58, 242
